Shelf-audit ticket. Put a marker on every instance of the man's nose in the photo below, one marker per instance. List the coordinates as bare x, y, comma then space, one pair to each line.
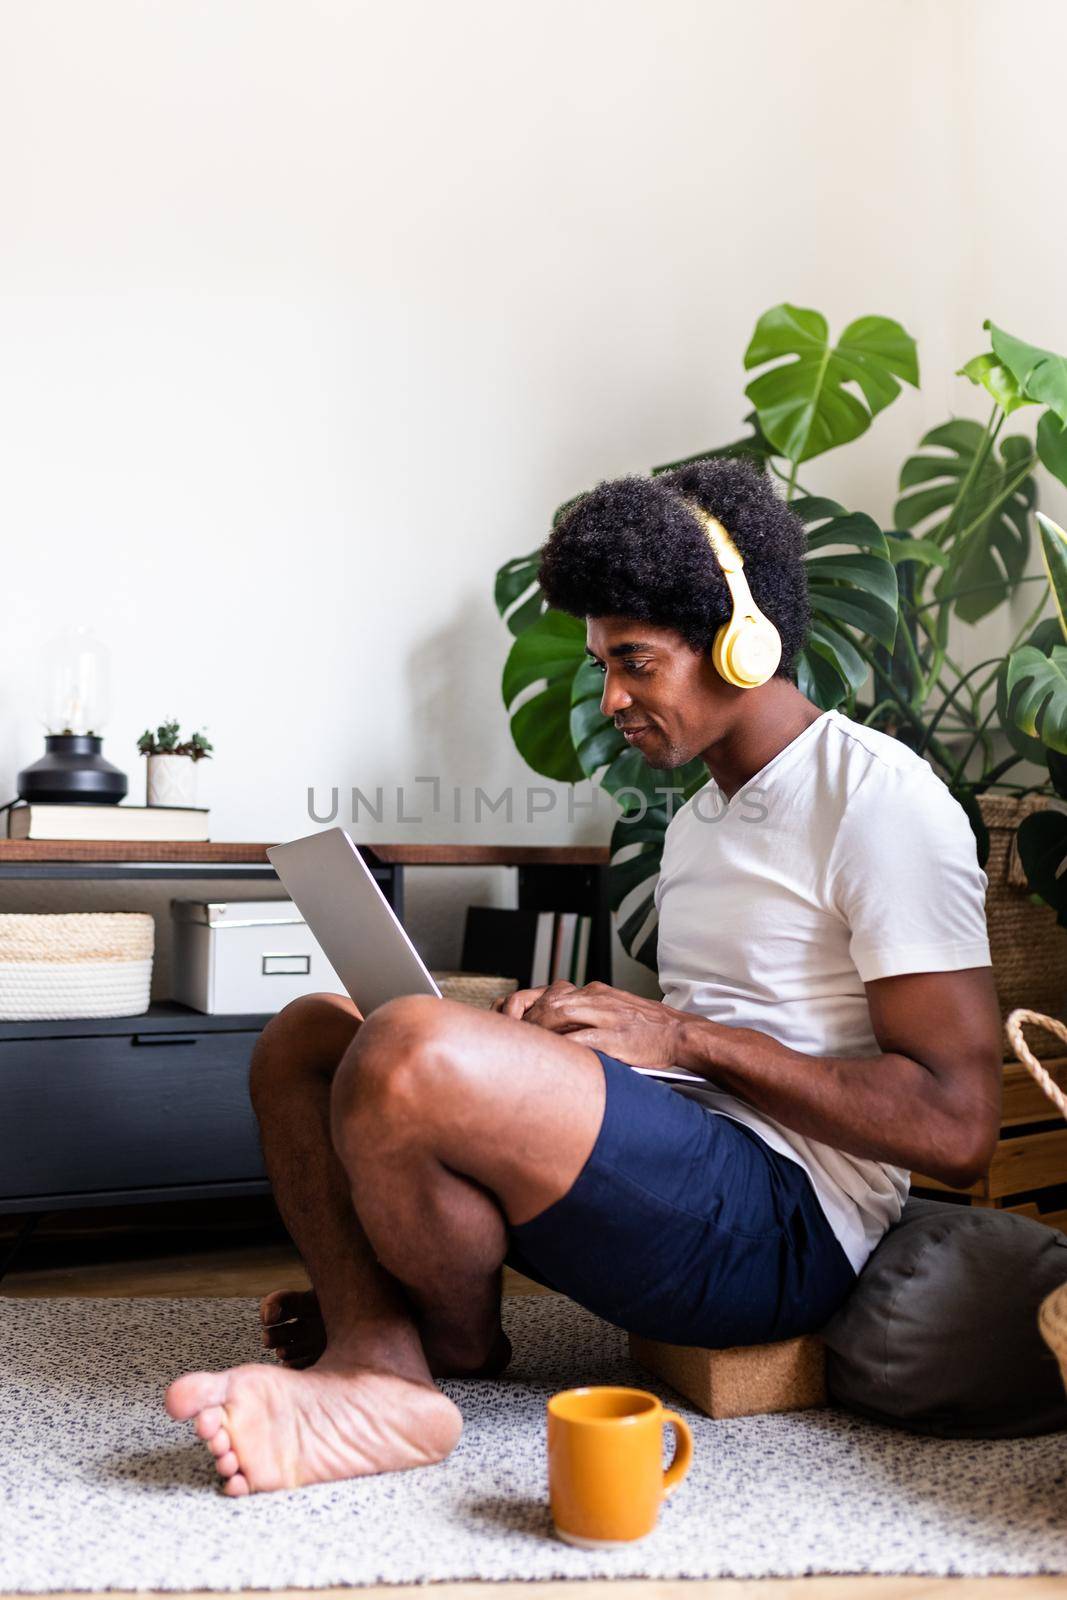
615, 698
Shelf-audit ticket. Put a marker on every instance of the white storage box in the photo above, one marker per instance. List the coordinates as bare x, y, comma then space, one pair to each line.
245, 956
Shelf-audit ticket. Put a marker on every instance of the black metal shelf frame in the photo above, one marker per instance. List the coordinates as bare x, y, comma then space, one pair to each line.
111, 1111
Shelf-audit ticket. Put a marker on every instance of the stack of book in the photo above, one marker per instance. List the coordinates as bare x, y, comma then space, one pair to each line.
533, 947
119, 823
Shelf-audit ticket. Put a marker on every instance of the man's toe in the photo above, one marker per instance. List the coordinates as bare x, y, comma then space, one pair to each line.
209, 1421
284, 1333
197, 1392
285, 1304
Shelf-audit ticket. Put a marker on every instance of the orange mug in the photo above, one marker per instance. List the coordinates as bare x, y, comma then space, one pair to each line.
605, 1463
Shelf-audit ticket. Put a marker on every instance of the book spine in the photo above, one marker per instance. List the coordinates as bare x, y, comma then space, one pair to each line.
542, 958
561, 965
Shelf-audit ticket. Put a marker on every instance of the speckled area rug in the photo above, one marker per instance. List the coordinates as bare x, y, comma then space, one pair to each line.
99, 1490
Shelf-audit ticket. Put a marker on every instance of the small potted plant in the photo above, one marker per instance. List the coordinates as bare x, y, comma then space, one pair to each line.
172, 764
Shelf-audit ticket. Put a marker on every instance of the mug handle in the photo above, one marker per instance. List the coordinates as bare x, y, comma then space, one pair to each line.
683, 1452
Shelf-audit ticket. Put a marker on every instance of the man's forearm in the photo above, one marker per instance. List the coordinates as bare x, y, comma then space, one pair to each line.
885, 1108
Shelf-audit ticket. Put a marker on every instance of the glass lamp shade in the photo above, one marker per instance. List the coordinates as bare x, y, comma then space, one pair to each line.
76, 682
74, 707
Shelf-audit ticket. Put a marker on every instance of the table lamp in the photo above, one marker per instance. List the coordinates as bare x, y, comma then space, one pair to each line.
75, 685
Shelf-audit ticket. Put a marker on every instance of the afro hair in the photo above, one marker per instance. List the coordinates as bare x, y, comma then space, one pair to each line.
633, 548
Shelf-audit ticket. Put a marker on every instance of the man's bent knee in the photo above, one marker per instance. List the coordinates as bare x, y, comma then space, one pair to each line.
397, 1066
308, 1036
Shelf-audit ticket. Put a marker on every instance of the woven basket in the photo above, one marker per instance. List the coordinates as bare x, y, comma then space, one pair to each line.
75, 964
1027, 946
1052, 1312
472, 988
1052, 1321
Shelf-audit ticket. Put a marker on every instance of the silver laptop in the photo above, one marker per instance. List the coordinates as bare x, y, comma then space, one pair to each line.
359, 931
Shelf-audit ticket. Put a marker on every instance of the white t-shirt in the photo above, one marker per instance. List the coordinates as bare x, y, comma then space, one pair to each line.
844, 859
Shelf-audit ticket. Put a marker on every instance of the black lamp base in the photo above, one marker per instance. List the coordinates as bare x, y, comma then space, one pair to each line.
73, 771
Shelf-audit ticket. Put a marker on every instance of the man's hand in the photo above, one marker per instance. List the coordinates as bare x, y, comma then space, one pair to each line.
516, 1005
640, 1032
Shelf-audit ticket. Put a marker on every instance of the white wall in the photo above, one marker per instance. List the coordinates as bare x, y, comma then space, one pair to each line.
312, 312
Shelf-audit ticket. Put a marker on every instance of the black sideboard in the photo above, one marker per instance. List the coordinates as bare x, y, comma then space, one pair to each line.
128, 1110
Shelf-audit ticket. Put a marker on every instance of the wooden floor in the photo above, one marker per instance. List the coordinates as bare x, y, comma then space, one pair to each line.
85, 1261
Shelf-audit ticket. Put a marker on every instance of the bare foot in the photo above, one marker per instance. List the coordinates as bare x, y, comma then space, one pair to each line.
293, 1327
281, 1430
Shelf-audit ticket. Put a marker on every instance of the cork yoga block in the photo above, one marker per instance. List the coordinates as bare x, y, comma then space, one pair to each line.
743, 1382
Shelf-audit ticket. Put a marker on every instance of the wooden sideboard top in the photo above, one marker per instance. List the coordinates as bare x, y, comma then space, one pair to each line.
244, 854
131, 850
493, 855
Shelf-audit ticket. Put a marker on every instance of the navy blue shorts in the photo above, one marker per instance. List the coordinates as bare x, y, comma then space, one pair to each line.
684, 1226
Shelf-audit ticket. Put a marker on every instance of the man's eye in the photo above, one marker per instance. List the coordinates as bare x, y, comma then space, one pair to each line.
637, 669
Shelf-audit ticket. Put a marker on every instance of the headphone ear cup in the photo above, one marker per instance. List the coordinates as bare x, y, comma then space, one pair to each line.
747, 651
718, 655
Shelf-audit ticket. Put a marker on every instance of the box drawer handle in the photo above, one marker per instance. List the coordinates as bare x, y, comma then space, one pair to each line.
164, 1038
289, 965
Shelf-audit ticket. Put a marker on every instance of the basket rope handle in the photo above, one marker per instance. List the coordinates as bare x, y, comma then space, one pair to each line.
1013, 1028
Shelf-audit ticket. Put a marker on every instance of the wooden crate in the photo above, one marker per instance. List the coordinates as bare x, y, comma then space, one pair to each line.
1025, 1164
1024, 1101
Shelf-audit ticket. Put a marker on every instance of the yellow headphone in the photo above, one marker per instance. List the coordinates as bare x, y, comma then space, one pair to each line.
748, 648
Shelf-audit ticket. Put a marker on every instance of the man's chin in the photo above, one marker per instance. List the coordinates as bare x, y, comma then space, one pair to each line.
662, 757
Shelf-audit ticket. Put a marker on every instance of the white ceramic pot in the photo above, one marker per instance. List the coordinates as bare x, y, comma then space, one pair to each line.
171, 781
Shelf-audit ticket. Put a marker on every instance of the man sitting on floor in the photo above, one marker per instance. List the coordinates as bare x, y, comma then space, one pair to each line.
825, 970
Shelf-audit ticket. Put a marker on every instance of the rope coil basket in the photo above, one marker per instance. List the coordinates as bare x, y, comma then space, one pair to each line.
57, 966
473, 988
1052, 1313
1044, 1080
1027, 946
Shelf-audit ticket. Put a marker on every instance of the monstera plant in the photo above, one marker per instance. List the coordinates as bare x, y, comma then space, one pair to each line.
882, 601
967, 496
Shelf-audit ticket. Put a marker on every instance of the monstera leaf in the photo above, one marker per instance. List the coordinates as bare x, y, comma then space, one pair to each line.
517, 593
990, 373
1054, 555
1040, 375
954, 489
1032, 698
1052, 445
828, 394
545, 658
1019, 677
1019, 374
1043, 639
1042, 842
1037, 694
899, 673
851, 591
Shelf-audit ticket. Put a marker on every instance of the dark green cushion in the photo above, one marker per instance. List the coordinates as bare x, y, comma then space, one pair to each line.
940, 1333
